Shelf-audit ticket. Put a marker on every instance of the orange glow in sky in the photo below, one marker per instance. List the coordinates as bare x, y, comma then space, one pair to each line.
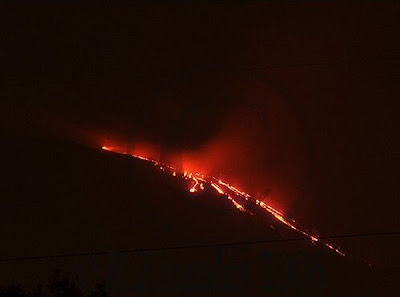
234, 195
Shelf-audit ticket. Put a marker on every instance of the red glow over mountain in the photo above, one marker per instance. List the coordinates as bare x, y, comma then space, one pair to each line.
242, 201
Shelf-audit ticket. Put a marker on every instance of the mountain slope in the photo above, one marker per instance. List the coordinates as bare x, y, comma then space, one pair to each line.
61, 198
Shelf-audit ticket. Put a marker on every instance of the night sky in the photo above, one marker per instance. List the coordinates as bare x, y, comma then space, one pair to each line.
296, 103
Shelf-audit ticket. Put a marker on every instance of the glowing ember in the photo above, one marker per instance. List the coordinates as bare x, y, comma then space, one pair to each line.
217, 188
233, 194
238, 206
194, 188
235, 203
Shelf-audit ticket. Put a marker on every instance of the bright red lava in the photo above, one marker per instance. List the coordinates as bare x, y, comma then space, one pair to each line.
229, 192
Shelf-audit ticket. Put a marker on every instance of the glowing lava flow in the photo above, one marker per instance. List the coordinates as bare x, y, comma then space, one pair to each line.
237, 197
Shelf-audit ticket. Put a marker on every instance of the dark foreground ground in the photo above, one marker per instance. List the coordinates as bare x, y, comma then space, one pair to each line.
113, 219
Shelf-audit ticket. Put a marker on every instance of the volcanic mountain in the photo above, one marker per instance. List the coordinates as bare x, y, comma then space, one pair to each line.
66, 206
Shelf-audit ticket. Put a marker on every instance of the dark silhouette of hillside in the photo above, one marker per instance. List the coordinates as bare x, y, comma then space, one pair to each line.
61, 197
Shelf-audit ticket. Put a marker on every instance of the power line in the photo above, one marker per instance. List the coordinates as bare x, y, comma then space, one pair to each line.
157, 249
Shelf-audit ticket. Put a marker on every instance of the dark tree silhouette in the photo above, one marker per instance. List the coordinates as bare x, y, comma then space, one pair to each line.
13, 291
100, 291
59, 285
62, 286
39, 291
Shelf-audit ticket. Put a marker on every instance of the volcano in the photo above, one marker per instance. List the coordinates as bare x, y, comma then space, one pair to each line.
240, 200
176, 232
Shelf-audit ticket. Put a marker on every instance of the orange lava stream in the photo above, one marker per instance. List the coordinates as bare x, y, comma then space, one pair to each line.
229, 192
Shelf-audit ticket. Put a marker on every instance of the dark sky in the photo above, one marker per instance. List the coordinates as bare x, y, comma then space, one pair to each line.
295, 100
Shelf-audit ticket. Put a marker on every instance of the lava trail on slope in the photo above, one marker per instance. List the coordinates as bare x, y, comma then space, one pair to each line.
241, 200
